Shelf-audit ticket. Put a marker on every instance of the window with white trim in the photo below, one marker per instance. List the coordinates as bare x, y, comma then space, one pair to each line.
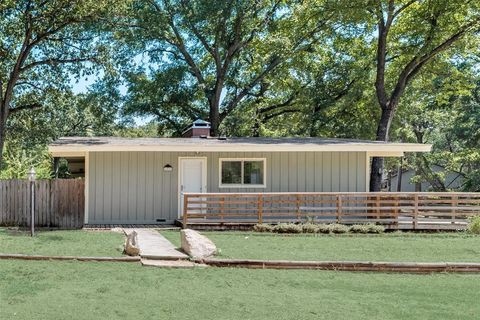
242, 173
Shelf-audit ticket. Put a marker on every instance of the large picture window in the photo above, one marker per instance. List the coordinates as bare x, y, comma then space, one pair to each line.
242, 173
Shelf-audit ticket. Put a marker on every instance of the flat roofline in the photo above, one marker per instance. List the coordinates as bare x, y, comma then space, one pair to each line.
373, 148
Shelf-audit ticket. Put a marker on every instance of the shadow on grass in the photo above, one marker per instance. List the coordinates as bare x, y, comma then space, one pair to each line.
26, 233
16, 232
53, 238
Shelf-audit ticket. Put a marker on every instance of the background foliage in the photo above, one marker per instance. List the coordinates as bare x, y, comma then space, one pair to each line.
256, 68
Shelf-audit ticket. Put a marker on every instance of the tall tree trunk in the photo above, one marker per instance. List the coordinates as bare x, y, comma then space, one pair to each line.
214, 99
376, 174
383, 129
214, 117
2, 142
400, 176
3, 123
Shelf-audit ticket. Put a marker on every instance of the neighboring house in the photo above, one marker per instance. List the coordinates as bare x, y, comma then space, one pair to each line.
453, 180
141, 181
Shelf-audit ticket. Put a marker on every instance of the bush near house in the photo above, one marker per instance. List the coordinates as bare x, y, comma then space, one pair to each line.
263, 227
474, 225
287, 228
318, 228
367, 228
310, 228
339, 228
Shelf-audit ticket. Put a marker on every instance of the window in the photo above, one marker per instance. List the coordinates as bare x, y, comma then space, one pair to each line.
242, 173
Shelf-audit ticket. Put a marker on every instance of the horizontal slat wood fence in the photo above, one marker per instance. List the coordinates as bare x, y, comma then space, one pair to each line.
416, 211
59, 203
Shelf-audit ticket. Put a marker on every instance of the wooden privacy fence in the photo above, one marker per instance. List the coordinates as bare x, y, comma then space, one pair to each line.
59, 203
395, 210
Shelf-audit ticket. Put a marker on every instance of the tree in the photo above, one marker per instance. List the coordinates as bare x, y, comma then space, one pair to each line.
440, 109
42, 44
62, 114
314, 93
214, 53
410, 34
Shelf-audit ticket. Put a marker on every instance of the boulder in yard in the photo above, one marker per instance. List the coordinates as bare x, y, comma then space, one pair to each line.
197, 245
131, 244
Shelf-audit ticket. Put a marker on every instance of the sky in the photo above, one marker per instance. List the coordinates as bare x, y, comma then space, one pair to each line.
81, 85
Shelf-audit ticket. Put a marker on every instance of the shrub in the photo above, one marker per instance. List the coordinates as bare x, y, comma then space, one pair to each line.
287, 228
263, 227
309, 228
339, 228
474, 225
326, 228
367, 228
359, 228
375, 228
323, 228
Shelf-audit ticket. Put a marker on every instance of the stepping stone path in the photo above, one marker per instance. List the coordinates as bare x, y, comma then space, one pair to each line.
154, 246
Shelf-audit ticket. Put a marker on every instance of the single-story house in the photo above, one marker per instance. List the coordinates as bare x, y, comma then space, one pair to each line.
141, 180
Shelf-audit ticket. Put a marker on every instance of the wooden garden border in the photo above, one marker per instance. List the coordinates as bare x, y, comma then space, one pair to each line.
14, 256
361, 266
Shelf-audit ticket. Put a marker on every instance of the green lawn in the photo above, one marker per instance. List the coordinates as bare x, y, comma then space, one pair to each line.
81, 290
431, 247
75, 243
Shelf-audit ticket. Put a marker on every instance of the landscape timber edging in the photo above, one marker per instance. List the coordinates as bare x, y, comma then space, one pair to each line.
363, 266
15, 256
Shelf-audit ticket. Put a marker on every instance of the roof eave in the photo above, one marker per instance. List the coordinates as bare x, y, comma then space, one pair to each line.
377, 150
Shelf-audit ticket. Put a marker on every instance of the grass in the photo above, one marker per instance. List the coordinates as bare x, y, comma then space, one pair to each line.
61, 290
432, 247
62, 243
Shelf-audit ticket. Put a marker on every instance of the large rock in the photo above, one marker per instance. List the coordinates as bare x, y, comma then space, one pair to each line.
197, 245
131, 244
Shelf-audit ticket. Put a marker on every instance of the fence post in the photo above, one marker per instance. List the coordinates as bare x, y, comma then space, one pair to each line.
260, 208
415, 213
31, 178
454, 206
396, 211
222, 208
298, 206
339, 207
185, 204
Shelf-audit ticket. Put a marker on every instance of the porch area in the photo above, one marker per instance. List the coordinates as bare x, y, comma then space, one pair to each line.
393, 210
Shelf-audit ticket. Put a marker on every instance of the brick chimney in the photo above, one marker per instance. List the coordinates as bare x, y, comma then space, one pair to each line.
199, 128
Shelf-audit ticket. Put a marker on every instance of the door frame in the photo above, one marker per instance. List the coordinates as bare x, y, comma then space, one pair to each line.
180, 176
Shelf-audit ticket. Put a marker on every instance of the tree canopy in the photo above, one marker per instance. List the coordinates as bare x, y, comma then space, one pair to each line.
398, 70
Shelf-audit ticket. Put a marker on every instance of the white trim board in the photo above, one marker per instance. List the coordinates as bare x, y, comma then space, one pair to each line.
375, 149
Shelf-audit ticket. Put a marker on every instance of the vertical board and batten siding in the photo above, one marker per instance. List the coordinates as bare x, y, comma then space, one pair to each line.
59, 203
131, 187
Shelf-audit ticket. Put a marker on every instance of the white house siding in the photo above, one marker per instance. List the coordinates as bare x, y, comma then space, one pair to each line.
131, 187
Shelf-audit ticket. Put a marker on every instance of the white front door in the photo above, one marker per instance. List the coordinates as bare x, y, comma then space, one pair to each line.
192, 177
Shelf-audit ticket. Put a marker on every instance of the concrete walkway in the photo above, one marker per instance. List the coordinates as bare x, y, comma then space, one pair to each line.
153, 245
